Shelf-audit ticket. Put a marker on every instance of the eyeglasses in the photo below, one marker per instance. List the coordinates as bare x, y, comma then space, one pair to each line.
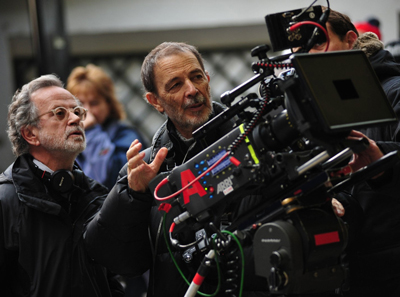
61, 112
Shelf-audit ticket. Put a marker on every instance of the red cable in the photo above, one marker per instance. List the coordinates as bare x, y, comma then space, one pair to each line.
165, 180
295, 26
172, 227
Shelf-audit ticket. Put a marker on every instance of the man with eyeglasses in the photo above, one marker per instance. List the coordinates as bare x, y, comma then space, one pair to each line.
45, 200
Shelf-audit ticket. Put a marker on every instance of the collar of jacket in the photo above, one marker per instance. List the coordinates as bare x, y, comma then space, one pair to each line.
381, 60
368, 43
29, 188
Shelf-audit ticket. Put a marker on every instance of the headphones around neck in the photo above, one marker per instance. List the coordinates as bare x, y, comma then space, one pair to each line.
61, 180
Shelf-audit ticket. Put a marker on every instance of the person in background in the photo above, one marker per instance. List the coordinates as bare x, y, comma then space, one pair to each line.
46, 200
372, 207
107, 136
370, 25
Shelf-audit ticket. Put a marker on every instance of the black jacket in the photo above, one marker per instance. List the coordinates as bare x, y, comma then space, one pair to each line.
42, 251
373, 206
388, 72
118, 236
373, 252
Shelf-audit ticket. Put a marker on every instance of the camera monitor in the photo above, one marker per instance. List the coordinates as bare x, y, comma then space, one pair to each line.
278, 25
344, 90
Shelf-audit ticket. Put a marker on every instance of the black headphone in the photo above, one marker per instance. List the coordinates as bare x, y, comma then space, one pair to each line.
62, 180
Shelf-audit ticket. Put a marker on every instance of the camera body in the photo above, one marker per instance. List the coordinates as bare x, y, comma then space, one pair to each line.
300, 253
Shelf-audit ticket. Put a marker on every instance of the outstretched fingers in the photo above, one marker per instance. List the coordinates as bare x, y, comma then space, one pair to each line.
139, 172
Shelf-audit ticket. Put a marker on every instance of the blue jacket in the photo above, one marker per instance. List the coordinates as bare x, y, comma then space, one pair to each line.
105, 152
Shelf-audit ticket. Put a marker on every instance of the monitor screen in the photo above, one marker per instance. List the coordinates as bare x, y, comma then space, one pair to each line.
344, 89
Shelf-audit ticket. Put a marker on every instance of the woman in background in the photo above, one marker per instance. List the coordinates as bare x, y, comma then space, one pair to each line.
107, 136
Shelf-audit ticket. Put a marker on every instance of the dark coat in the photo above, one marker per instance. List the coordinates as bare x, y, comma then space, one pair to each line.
373, 252
388, 73
373, 206
42, 251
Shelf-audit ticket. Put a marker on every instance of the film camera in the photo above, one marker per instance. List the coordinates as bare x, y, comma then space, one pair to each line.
292, 159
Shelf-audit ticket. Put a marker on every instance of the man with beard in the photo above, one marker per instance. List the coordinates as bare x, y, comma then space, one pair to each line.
126, 236
45, 200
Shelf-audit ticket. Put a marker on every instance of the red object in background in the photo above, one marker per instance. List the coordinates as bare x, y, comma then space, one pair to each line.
363, 27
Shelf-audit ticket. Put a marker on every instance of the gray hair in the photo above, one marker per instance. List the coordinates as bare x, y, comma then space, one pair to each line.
165, 49
22, 112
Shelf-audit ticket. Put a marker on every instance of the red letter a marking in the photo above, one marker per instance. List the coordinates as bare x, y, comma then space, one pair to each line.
186, 177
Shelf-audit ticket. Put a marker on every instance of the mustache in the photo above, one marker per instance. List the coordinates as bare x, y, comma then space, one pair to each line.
76, 129
198, 99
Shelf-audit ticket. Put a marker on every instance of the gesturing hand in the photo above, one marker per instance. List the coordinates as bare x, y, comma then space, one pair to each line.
139, 172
